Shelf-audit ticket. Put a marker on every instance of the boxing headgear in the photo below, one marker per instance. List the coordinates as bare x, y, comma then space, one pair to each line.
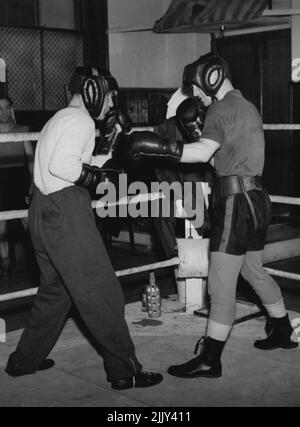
93, 85
208, 73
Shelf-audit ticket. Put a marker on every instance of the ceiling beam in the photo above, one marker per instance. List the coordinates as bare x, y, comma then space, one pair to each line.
129, 29
254, 30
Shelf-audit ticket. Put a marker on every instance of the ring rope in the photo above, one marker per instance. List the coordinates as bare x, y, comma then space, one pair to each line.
22, 136
18, 137
284, 274
122, 273
136, 270
283, 126
285, 200
34, 136
9, 215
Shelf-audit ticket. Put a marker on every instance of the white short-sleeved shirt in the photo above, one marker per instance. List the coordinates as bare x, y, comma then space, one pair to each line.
65, 143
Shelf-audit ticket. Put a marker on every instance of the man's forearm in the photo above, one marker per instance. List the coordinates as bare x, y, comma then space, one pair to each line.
199, 152
67, 169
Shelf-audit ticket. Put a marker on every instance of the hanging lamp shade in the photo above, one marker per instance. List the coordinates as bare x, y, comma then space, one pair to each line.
207, 16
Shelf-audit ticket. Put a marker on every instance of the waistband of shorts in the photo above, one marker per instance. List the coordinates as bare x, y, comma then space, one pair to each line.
235, 184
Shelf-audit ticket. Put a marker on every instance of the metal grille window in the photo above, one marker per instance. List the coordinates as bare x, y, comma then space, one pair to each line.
63, 52
39, 64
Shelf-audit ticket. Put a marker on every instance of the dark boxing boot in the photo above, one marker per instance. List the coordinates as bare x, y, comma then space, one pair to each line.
279, 336
207, 364
268, 326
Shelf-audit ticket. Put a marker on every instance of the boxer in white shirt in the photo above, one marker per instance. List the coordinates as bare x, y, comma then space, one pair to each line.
75, 267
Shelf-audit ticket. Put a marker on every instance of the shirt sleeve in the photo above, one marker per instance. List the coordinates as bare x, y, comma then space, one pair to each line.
214, 127
74, 147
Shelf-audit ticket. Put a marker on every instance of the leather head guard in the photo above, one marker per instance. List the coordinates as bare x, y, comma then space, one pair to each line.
93, 85
208, 73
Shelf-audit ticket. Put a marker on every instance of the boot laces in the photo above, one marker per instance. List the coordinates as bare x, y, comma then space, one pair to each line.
200, 342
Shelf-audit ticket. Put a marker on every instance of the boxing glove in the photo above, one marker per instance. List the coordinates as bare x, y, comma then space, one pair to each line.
116, 116
124, 121
190, 117
91, 176
149, 145
116, 123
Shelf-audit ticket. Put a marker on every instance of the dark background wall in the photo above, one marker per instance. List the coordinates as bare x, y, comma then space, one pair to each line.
17, 13
95, 32
260, 67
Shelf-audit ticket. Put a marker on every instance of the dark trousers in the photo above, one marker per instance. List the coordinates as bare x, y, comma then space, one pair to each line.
75, 269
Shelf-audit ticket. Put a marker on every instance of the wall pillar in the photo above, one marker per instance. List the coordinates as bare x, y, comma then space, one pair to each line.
95, 33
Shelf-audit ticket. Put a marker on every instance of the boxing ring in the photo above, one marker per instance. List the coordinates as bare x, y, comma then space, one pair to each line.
185, 263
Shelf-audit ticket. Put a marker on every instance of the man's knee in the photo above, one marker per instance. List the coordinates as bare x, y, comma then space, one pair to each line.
254, 274
252, 269
247, 274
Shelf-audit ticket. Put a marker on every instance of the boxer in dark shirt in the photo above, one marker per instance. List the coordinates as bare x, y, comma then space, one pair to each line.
233, 138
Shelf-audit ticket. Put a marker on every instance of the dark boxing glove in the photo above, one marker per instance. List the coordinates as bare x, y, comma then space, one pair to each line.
111, 131
190, 117
147, 145
116, 116
124, 121
91, 176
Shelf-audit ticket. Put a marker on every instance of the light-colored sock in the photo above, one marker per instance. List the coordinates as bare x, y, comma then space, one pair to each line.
218, 331
277, 310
